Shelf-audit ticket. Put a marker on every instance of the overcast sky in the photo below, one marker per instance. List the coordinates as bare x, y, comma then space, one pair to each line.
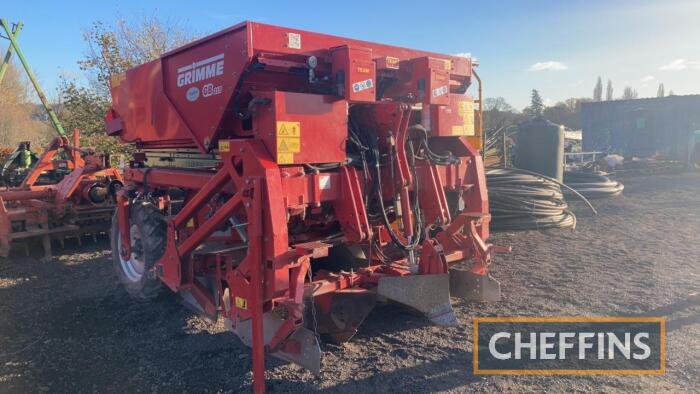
557, 47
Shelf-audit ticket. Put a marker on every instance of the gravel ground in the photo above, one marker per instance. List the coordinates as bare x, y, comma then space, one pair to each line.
66, 326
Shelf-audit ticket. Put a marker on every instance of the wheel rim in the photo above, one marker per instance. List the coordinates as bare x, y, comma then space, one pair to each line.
135, 266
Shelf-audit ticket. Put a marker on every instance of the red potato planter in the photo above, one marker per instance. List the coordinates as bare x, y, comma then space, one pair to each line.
288, 179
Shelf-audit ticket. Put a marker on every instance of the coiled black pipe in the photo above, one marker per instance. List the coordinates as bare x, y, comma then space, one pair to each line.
593, 184
521, 201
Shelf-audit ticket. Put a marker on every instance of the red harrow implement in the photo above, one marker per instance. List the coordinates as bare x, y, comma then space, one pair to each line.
289, 180
82, 202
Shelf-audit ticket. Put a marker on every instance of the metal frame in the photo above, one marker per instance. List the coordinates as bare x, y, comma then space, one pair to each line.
260, 195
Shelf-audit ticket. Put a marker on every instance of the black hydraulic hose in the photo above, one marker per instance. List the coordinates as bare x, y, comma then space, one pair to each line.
522, 201
385, 217
416, 193
387, 223
446, 159
368, 148
593, 184
579, 195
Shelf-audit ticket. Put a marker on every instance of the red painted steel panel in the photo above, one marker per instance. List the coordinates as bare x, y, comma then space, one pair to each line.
146, 114
354, 70
454, 120
268, 38
201, 82
302, 128
189, 96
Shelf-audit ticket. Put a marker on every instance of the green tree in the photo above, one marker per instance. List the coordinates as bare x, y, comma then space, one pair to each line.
84, 108
536, 108
629, 93
598, 90
498, 113
609, 91
660, 91
567, 112
19, 118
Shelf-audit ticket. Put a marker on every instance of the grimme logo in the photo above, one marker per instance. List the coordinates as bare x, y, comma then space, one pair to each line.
569, 345
200, 70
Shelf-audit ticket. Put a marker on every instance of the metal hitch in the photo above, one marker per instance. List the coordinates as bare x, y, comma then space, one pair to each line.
428, 294
301, 347
474, 287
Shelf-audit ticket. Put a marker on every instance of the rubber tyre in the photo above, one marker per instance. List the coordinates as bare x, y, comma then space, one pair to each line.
149, 224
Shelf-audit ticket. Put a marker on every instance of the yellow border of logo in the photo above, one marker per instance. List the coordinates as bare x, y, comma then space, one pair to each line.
580, 319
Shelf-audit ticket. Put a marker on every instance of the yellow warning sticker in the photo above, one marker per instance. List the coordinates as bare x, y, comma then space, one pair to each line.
224, 146
458, 130
392, 62
285, 158
241, 303
288, 145
448, 64
466, 111
190, 223
288, 129
288, 141
463, 107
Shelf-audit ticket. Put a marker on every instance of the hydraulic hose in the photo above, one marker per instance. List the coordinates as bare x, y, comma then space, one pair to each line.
520, 200
593, 184
577, 194
419, 131
415, 242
